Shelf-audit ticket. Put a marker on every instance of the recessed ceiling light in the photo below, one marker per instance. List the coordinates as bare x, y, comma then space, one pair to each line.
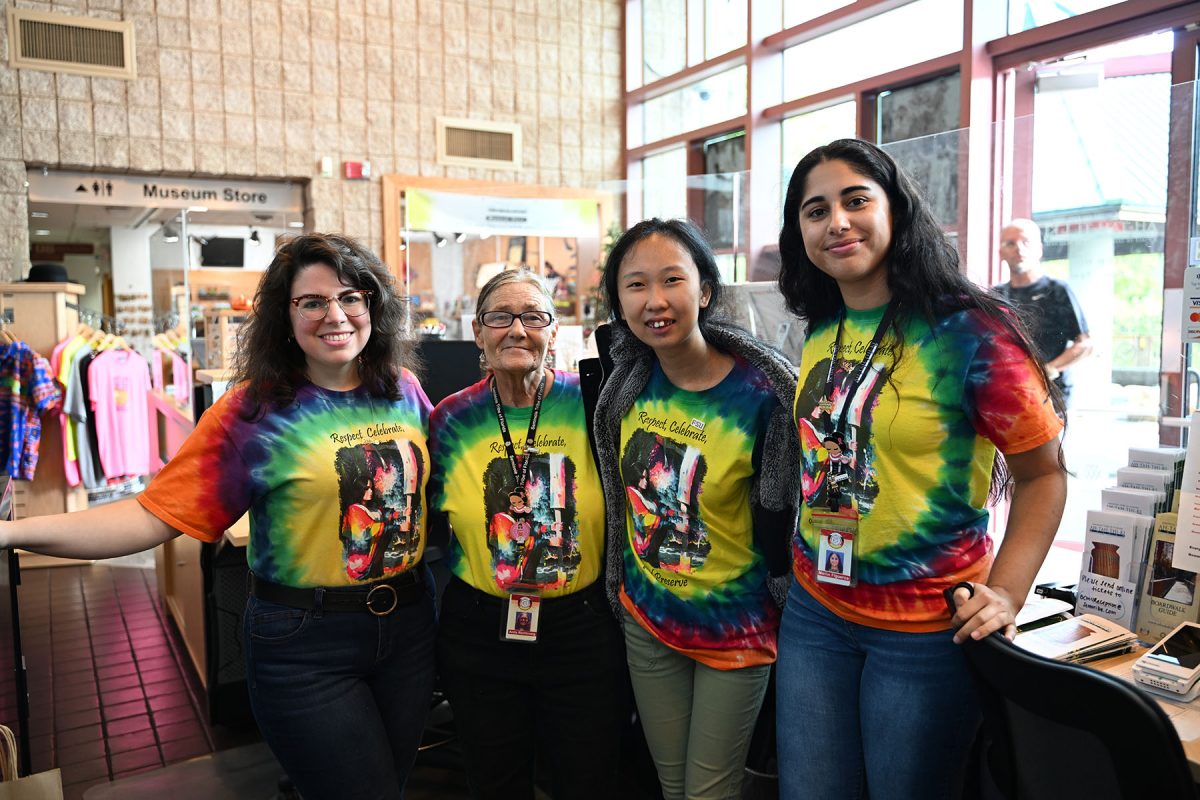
295, 224
41, 232
39, 214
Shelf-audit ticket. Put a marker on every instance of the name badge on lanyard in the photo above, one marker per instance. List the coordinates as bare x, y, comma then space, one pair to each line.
521, 621
835, 535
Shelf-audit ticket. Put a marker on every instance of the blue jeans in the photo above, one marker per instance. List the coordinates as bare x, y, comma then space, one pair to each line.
341, 697
863, 708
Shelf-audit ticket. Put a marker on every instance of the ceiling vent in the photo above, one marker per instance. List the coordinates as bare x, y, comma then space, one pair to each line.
478, 143
79, 45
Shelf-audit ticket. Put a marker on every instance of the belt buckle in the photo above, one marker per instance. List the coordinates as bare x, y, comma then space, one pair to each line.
371, 596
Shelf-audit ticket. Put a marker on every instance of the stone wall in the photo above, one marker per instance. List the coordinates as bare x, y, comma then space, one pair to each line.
265, 88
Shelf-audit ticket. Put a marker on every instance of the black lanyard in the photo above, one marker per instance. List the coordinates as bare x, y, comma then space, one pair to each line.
858, 374
520, 467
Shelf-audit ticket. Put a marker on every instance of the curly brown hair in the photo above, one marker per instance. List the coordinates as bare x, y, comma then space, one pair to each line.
269, 359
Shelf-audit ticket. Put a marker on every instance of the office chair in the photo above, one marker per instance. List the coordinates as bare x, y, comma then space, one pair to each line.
1058, 730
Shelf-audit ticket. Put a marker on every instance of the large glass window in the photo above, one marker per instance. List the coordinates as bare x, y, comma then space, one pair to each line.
857, 51
1026, 14
803, 132
706, 102
724, 26
912, 124
797, 11
664, 185
664, 38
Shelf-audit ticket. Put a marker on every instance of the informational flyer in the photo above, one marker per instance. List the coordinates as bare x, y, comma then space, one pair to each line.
1187, 536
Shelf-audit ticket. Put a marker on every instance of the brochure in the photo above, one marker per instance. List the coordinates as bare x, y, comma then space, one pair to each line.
1079, 639
1168, 593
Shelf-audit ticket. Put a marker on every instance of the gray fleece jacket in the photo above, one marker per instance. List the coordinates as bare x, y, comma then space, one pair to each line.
776, 490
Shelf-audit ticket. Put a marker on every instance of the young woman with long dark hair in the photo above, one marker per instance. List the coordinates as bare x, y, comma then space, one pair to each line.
913, 380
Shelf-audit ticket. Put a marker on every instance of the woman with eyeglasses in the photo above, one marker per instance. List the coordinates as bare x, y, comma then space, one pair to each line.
700, 463
339, 628
528, 653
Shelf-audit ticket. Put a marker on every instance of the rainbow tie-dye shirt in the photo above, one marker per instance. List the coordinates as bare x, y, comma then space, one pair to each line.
552, 538
334, 483
921, 442
693, 576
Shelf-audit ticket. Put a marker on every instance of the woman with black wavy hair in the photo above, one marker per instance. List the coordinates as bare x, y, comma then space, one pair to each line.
921, 380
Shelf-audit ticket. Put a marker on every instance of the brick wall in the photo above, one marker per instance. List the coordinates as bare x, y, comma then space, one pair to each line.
265, 88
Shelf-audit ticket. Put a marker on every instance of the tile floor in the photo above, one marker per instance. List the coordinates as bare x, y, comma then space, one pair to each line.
112, 693
108, 693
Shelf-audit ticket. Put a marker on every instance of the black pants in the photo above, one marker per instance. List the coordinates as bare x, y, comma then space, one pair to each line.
558, 701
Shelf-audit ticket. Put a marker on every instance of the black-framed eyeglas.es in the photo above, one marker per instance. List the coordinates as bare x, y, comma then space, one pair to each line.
504, 319
314, 307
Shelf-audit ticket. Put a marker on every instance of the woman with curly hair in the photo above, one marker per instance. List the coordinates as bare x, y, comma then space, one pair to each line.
339, 647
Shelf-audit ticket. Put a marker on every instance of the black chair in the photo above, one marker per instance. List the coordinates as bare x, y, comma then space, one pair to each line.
1058, 730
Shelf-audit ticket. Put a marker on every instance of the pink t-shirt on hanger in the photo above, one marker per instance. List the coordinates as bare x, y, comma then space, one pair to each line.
119, 382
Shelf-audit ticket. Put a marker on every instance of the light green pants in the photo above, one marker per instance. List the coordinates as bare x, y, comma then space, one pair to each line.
698, 720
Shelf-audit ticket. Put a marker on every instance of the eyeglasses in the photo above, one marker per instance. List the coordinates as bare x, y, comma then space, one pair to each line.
314, 307
504, 319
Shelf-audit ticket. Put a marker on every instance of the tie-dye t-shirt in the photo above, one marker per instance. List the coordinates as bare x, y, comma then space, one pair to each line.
693, 577
550, 539
921, 442
334, 483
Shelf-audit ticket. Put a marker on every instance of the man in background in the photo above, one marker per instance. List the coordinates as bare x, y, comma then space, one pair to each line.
1047, 306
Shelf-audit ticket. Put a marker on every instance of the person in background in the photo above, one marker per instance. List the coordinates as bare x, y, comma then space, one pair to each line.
1047, 306
700, 462
340, 670
918, 379
528, 652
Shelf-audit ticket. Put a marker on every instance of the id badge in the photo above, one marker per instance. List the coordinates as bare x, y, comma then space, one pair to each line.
835, 538
521, 621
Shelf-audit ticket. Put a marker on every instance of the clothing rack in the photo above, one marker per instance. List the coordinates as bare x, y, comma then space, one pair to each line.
97, 320
42, 315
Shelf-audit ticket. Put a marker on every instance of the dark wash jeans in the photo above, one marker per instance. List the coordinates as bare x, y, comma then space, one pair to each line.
559, 701
341, 697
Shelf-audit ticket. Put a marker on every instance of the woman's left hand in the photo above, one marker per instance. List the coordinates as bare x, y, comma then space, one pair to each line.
989, 610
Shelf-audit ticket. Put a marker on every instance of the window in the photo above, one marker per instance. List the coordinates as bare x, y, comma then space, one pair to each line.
706, 102
1024, 15
664, 38
856, 52
918, 126
724, 26
797, 11
803, 132
664, 185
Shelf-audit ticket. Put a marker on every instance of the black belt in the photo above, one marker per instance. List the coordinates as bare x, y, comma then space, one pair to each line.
380, 599
593, 591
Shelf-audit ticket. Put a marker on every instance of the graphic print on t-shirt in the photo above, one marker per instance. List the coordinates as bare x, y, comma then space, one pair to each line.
825, 460
532, 532
379, 486
664, 478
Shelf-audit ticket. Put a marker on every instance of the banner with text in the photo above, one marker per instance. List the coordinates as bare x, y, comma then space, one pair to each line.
450, 212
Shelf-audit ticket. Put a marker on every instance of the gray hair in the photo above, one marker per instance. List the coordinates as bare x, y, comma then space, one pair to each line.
506, 277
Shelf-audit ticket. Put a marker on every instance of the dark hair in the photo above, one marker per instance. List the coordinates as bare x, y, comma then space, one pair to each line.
922, 265
268, 357
686, 235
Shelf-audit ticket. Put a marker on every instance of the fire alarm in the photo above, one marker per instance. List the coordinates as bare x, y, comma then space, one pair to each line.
356, 170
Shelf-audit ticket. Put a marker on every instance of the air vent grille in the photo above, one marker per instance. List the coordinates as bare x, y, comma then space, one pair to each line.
61, 43
479, 143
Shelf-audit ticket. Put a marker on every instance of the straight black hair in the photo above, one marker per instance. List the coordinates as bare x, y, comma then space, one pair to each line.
687, 236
